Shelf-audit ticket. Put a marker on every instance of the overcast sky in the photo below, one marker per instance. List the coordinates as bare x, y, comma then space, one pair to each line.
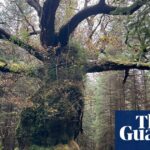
1, 0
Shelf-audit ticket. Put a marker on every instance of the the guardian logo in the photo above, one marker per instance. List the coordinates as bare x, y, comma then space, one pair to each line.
132, 130
127, 133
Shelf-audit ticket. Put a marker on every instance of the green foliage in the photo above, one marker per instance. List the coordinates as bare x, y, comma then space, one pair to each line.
138, 33
81, 52
24, 35
14, 39
69, 65
1, 146
2, 64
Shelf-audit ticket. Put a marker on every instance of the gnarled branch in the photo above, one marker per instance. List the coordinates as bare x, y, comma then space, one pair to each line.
6, 36
107, 65
100, 8
17, 67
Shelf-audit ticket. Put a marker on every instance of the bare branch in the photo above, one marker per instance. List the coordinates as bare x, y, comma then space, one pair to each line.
2, 22
92, 33
100, 8
6, 36
126, 76
48, 35
35, 4
28, 22
34, 33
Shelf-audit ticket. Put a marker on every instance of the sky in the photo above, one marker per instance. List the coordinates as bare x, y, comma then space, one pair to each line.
1, 1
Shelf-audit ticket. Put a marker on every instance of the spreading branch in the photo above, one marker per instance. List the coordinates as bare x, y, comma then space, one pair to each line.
110, 65
6, 36
17, 67
100, 8
47, 14
90, 66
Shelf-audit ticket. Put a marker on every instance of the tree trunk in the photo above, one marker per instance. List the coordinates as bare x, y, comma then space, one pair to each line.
58, 106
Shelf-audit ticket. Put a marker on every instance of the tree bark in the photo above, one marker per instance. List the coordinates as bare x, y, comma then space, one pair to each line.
99, 66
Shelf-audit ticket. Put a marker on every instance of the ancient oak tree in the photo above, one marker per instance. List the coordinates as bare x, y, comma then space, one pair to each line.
56, 115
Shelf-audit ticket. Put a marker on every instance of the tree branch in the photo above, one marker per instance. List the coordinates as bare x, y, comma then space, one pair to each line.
92, 33
108, 65
34, 33
35, 4
6, 36
17, 67
126, 10
2, 22
100, 8
12, 68
27, 21
48, 35
3, 67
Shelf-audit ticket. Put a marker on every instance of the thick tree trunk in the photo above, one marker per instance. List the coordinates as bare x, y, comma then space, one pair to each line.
58, 106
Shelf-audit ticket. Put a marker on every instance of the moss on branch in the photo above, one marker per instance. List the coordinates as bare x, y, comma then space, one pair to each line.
16, 67
114, 64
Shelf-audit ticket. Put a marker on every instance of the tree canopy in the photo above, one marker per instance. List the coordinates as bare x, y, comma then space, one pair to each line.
52, 39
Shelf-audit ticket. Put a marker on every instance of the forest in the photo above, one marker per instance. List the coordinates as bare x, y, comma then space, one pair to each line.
66, 66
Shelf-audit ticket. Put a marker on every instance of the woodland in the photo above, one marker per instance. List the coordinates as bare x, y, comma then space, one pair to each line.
66, 66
